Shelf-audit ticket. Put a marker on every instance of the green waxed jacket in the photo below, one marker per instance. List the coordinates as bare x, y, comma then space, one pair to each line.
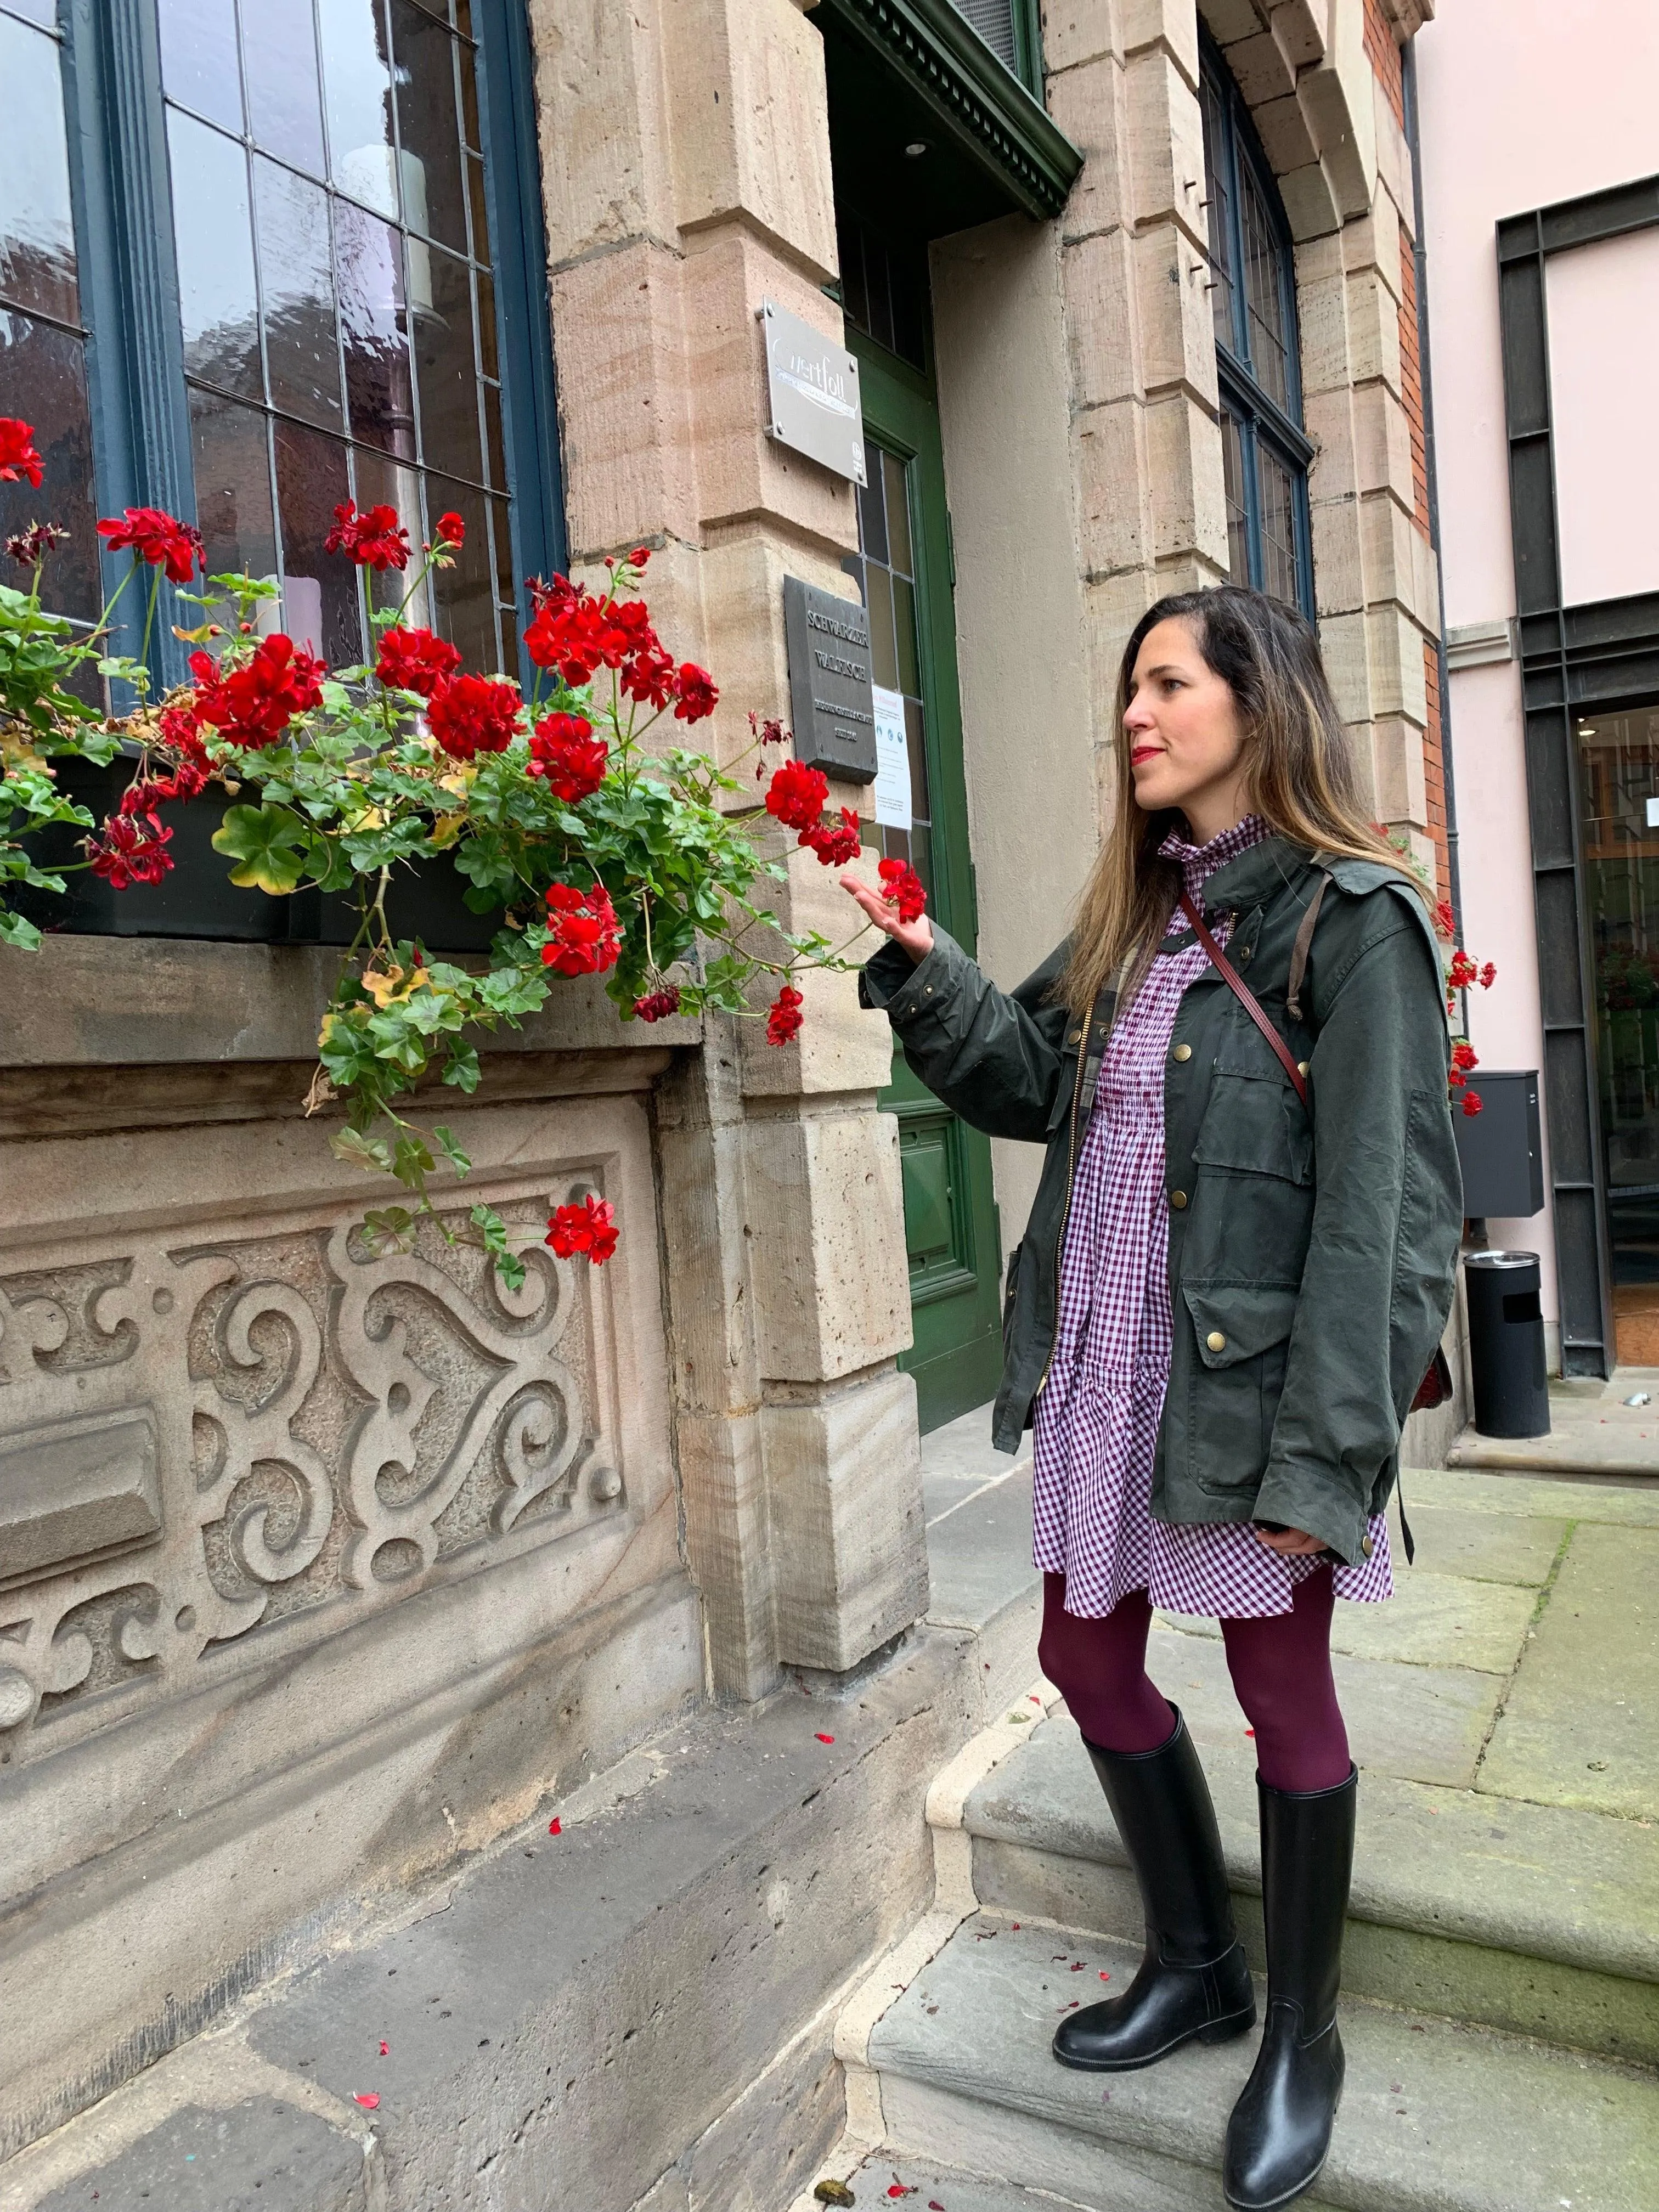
1312, 1252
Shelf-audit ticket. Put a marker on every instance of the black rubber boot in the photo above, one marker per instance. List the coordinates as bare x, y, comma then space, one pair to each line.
1194, 1980
1280, 2128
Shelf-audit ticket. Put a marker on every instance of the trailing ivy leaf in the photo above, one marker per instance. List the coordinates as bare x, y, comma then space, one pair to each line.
492, 1230
462, 1068
411, 1163
389, 1228
445, 1141
269, 843
358, 1150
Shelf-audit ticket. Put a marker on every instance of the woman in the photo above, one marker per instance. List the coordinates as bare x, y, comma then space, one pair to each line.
1224, 1303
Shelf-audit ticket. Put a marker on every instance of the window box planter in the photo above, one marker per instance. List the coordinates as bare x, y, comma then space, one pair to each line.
424, 901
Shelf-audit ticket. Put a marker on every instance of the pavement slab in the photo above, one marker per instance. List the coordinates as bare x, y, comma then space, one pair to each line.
1433, 2115
1592, 1432
1432, 1620
1424, 1723
1484, 1547
1618, 1504
259, 2156
1579, 1727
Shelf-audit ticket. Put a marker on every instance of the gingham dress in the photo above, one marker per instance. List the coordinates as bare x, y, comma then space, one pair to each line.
1098, 1413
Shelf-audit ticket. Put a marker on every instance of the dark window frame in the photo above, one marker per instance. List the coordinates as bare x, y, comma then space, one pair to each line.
1262, 421
129, 293
1602, 656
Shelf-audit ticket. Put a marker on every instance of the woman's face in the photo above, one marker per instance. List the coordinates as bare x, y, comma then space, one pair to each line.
1181, 727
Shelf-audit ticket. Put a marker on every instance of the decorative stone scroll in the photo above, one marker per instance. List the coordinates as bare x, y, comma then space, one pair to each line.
201, 1440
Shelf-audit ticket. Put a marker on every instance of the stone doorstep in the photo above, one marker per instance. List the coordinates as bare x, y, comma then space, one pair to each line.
570, 2014
1434, 2114
1537, 1919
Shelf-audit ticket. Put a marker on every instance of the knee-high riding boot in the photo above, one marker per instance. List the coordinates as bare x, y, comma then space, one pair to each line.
1280, 2128
1194, 1980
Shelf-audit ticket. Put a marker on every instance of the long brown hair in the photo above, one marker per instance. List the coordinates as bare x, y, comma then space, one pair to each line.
1302, 778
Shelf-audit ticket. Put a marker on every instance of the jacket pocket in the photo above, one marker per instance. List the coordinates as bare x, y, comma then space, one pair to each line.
1254, 1125
1241, 1338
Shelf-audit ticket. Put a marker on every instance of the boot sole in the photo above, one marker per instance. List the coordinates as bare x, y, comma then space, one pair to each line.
1215, 2031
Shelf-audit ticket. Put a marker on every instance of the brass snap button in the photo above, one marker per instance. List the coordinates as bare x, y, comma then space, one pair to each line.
1216, 1341
1367, 1546
1244, 955
1302, 1068
1183, 1052
1178, 1198
1076, 1037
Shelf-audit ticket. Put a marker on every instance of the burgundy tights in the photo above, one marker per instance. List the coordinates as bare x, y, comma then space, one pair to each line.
1281, 1671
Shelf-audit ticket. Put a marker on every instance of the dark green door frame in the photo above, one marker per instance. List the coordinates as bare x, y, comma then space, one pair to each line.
951, 1232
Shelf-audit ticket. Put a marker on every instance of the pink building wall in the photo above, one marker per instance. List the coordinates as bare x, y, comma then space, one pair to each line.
1523, 102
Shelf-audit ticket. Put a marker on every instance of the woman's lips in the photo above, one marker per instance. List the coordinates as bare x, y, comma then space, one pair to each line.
1144, 752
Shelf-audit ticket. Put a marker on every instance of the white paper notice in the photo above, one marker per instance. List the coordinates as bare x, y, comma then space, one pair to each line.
892, 759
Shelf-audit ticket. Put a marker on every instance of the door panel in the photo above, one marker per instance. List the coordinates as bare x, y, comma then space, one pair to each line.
904, 571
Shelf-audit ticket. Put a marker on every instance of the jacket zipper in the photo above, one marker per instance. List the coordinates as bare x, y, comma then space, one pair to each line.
1066, 1216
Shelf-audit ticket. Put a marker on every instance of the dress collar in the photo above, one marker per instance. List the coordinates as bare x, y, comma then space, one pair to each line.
1200, 862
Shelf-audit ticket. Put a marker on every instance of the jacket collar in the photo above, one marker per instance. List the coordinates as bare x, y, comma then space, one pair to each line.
1255, 876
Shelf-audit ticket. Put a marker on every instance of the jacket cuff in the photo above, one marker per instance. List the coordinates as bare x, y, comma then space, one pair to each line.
889, 984
1307, 1497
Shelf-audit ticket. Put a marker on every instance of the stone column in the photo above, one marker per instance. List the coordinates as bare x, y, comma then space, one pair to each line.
686, 165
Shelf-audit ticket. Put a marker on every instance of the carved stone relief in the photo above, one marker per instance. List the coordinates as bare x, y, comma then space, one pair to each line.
202, 1439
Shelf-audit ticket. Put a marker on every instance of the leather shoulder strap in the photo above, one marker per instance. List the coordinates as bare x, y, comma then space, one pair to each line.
1247, 998
1300, 948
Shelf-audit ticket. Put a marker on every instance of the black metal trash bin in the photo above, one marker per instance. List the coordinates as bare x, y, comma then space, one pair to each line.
1506, 1344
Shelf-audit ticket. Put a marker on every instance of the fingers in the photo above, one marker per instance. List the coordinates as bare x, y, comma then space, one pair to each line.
875, 907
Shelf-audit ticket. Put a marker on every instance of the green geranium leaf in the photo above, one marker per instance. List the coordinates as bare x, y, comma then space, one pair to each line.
445, 1141
389, 1228
269, 844
360, 1151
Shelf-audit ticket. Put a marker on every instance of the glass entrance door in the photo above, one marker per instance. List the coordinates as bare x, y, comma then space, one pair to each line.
1618, 764
904, 573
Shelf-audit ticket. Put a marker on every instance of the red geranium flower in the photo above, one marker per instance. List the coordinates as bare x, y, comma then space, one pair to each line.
473, 715
451, 529
783, 1015
1463, 1055
132, 849
649, 677
563, 634
591, 1228
156, 537
1488, 975
698, 693
796, 795
902, 887
374, 539
835, 845
1472, 1103
582, 926
416, 660
565, 751
18, 458
1444, 922
255, 704
656, 1006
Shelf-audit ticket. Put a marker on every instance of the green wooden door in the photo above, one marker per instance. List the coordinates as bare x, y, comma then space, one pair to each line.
904, 571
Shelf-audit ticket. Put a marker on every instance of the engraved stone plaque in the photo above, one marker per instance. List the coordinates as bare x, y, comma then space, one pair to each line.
829, 642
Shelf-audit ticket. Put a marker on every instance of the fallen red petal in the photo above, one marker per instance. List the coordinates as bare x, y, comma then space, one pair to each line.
1104, 1976
368, 2099
1250, 1731
824, 1739
555, 1828
933, 2205
386, 2048
1033, 1699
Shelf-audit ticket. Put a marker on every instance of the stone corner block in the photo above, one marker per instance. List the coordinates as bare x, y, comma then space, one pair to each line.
844, 1482
827, 1219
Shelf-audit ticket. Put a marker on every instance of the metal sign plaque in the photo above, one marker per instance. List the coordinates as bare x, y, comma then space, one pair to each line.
829, 643
812, 389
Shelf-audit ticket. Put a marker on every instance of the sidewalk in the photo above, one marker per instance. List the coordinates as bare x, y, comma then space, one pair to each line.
1593, 1435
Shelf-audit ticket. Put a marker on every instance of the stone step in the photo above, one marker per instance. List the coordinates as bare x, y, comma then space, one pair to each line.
1434, 2117
1542, 1920
932, 2185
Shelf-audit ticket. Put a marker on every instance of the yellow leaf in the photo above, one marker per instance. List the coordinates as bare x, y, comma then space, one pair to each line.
199, 636
446, 828
383, 987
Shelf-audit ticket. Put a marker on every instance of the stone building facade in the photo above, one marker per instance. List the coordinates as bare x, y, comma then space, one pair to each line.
321, 1571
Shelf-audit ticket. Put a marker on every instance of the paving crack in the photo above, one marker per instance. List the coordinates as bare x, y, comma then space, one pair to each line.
1539, 1607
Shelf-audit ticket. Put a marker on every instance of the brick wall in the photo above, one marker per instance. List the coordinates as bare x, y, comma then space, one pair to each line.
1385, 58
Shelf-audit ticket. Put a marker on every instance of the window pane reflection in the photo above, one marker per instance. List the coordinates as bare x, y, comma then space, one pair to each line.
887, 570
1278, 490
345, 313
1238, 521
1265, 300
45, 368
37, 234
